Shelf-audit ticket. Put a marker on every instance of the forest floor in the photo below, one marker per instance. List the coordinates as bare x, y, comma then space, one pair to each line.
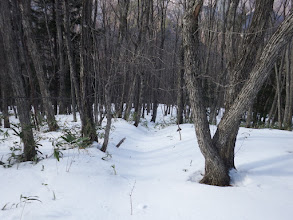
152, 175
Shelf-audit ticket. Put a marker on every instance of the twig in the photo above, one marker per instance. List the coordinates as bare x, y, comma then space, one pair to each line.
179, 130
120, 142
130, 196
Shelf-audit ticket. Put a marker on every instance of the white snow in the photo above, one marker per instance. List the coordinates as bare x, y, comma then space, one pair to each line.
159, 171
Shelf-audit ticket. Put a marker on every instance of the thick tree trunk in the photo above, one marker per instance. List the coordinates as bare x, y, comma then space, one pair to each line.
87, 120
239, 68
217, 167
215, 171
8, 38
257, 77
38, 64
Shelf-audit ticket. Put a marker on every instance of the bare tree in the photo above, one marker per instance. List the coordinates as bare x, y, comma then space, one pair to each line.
38, 63
87, 120
8, 38
60, 57
217, 165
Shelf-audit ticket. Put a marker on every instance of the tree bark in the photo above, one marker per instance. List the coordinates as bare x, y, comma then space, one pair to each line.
87, 120
4, 87
109, 117
216, 165
60, 57
75, 88
8, 38
279, 40
239, 69
287, 121
215, 170
38, 63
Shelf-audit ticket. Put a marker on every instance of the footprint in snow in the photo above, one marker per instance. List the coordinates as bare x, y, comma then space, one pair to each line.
142, 206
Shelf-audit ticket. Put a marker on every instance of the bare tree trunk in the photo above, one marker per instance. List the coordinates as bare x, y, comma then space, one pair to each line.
257, 77
8, 38
5, 92
130, 98
180, 85
216, 165
239, 71
279, 89
4, 87
140, 100
61, 69
215, 170
109, 117
287, 121
75, 89
38, 64
87, 120
73, 100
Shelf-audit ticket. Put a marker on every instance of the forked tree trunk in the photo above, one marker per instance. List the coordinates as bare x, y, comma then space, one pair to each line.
257, 77
8, 38
215, 170
216, 151
240, 67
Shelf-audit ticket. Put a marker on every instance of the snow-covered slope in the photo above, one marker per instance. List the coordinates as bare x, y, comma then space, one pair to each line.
159, 171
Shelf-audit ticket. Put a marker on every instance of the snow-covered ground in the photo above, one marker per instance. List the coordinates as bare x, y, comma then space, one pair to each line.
152, 175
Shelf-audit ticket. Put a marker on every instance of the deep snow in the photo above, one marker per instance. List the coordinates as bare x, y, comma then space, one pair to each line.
159, 171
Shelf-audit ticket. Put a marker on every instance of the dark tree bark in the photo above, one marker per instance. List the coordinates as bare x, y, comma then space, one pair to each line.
180, 85
8, 38
109, 116
162, 14
140, 101
215, 170
4, 92
38, 63
87, 120
60, 57
4, 86
287, 121
240, 67
75, 88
